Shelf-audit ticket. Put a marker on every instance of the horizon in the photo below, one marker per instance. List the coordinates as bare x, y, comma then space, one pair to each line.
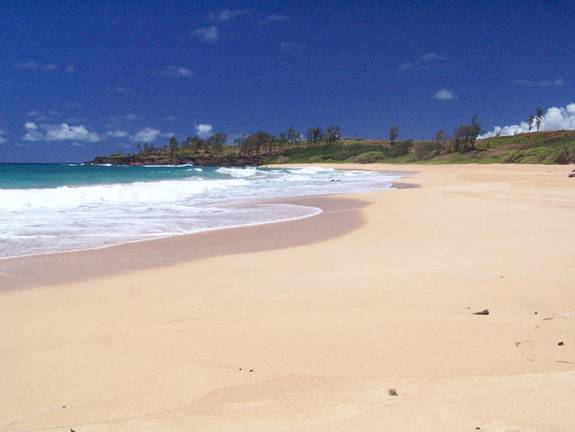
80, 80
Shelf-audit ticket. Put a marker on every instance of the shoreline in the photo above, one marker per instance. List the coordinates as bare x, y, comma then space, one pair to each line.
14, 273
54, 267
313, 322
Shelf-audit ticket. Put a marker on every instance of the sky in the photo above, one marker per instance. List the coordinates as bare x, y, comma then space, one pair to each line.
81, 78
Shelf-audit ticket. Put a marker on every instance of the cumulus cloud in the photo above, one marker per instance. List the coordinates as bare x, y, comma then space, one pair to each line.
543, 83
61, 132
275, 18
204, 130
555, 118
227, 14
207, 34
423, 62
146, 135
2, 136
176, 72
445, 94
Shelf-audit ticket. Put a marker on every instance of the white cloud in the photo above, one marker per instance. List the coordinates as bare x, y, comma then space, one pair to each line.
2, 136
61, 132
226, 15
560, 82
176, 72
29, 65
146, 135
423, 62
274, 18
117, 133
64, 132
207, 34
445, 94
32, 132
33, 65
204, 130
555, 118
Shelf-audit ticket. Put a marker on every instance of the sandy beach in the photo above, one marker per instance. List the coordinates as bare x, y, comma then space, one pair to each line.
307, 325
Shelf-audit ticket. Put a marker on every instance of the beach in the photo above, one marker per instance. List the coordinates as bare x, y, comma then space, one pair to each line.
307, 325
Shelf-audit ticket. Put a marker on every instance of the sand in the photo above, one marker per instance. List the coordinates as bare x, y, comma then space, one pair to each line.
308, 331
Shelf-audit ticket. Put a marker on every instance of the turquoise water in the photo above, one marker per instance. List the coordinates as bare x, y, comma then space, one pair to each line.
28, 176
60, 207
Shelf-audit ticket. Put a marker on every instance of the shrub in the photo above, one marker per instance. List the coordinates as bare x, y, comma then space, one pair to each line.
401, 148
281, 160
369, 157
425, 150
342, 154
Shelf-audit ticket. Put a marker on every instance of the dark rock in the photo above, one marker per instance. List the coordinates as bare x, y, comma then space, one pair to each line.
392, 392
251, 370
560, 344
572, 174
483, 312
535, 313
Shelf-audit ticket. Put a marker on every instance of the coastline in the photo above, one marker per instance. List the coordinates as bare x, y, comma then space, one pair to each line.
67, 266
317, 322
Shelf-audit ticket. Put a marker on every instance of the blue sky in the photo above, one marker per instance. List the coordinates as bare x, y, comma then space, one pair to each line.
80, 78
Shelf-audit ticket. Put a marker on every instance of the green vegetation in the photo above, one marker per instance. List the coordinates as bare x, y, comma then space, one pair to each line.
328, 146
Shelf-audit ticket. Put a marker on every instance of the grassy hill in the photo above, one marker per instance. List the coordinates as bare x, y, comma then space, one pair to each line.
538, 148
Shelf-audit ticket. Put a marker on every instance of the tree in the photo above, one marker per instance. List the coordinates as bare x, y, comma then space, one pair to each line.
254, 143
439, 140
293, 136
530, 121
217, 141
393, 134
282, 141
539, 117
332, 135
173, 144
314, 136
465, 136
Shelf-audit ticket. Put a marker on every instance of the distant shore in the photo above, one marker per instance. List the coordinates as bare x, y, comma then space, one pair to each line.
308, 325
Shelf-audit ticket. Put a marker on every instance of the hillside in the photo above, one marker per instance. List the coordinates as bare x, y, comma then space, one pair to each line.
536, 148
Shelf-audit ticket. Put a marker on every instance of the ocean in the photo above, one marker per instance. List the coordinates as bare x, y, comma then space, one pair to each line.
62, 207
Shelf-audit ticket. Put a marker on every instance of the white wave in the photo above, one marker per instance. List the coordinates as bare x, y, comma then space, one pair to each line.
80, 217
310, 170
238, 172
168, 166
65, 197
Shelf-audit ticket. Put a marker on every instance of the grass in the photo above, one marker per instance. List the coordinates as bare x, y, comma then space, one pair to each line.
534, 148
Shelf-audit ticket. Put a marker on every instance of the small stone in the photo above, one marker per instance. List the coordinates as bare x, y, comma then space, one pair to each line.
535, 313
477, 428
560, 344
251, 370
240, 369
392, 392
483, 312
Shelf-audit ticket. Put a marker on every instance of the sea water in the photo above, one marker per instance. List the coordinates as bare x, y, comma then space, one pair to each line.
61, 207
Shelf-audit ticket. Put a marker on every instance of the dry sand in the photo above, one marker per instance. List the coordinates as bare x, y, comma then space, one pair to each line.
309, 331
